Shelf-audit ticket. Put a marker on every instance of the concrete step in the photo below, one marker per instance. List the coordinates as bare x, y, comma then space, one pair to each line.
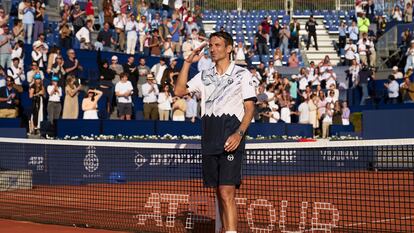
321, 56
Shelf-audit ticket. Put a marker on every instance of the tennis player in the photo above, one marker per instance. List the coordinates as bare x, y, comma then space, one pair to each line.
227, 108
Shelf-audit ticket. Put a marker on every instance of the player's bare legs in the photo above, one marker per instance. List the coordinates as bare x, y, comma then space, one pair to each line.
228, 210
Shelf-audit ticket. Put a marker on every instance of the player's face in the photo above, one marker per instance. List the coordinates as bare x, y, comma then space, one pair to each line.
218, 49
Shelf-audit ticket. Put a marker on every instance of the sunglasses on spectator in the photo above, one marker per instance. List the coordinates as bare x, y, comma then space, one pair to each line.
34, 64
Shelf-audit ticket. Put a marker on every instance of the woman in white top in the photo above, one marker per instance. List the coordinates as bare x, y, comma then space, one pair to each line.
285, 105
354, 73
277, 57
397, 14
313, 111
164, 103
90, 104
168, 52
327, 120
239, 54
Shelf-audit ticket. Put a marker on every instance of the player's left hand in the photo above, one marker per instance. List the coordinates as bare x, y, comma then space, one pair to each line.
232, 142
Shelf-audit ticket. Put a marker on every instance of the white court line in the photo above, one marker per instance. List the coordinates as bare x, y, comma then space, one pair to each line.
380, 221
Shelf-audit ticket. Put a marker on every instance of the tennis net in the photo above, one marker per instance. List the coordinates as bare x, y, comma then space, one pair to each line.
344, 186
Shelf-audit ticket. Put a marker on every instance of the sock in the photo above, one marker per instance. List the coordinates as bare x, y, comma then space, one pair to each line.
231, 231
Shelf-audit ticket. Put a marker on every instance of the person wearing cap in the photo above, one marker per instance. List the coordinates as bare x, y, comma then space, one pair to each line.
150, 92
410, 56
397, 74
311, 29
90, 104
37, 94
54, 107
393, 89
167, 45
205, 62
115, 66
38, 19
5, 47
363, 24
32, 72
37, 55
9, 100
131, 29
227, 108
17, 73
158, 70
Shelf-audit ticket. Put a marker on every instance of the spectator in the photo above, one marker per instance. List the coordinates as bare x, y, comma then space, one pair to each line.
393, 89
131, 28
397, 74
18, 52
337, 114
190, 26
363, 24
51, 60
410, 57
150, 93
105, 35
170, 74
274, 38
77, 18
311, 29
123, 92
90, 104
327, 120
164, 103
72, 65
278, 57
132, 71
4, 18
191, 109
255, 75
5, 47
364, 77
115, 66
397, 14
119, 23
31, 73
37, 93
240, 54
90, 12
381, 26
109, 15
158, 70
304, 111
18, 31
54, 107
313, 112
106, 77
17, 73
329, 78
28, 21
354, 73
174, 29
58, 69
285, 102
264, 112
260, 42
369, 9
293, 60
65, 34
143, 71
164, 29
45, 47
84, 35
20, 9
147, 43
71, 104
353, 31
38, 19
269, 71
9, 100
408, 13
2, 77
143, 27
284, 36
198, 16
342, 35
205, 62
345, 113
179, 108
350, 52
168, 47
294, 27
303, 79
313, 75
187, 47
155, 44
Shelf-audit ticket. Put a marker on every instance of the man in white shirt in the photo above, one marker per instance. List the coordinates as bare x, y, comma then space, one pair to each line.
119, 24
54, 107
131, 29
150, 92
45, 48
84, 35
303, 110
123, 92
393, 90
329, 77
158, 70
350, 50
16, 72
205, 62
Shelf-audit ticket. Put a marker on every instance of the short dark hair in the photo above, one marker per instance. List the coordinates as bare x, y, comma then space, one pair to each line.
228, 39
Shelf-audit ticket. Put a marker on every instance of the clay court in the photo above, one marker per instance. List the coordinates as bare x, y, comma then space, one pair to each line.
366, 201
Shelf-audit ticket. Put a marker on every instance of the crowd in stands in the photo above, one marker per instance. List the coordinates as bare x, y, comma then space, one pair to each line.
171, 31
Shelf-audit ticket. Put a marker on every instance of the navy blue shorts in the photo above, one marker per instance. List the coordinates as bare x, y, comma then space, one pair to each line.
223, 169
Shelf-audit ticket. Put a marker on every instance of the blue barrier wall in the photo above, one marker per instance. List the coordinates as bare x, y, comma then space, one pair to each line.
382, 124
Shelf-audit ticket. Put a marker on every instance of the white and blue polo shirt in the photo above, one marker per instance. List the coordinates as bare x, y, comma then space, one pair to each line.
222, 103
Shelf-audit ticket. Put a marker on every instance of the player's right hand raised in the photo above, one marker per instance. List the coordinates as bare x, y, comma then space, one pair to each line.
196, 54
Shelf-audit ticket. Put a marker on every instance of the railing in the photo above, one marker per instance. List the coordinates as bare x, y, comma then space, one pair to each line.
386, 45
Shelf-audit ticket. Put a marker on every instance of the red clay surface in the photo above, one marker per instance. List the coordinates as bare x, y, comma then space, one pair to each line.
9, 226
366, 202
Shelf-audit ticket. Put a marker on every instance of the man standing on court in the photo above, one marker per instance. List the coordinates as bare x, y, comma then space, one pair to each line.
227, 108
311, 29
